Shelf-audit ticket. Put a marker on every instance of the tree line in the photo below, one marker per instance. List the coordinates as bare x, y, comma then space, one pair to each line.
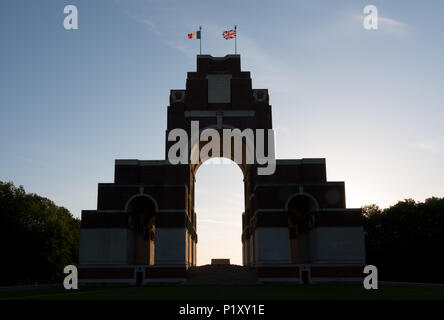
406, 241
38, 239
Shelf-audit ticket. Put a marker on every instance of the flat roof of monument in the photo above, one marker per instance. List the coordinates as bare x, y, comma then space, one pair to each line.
227, 56
301, 161
132, 162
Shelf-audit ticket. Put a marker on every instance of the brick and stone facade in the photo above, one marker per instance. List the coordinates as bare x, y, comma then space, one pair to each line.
295, 224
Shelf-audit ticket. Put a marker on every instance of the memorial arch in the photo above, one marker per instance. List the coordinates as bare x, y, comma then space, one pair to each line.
219, 201
295, 225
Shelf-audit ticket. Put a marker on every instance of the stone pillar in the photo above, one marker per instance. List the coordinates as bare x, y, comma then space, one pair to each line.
251, 261
189, 250
247, 251
194, 253
243, 252
301, 249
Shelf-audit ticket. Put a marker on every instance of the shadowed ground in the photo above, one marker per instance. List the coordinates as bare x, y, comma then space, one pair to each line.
225, 282
227, 292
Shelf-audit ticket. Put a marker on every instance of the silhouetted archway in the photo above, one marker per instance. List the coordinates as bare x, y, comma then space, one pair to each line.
142, 215
220, 203
300, 209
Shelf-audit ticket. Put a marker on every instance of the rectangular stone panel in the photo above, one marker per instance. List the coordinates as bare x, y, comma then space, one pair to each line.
104, 246
219, 88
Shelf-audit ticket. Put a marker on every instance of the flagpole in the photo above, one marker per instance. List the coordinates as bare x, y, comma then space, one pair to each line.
235, 40
200, 39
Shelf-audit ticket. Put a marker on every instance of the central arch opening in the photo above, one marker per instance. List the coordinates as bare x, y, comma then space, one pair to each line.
219, 204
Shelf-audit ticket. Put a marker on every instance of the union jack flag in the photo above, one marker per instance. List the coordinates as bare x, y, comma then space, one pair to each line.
230, 34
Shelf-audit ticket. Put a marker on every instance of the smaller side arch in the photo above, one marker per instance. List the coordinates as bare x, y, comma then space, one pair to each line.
302, 194
300, 208
141, 210
127, 204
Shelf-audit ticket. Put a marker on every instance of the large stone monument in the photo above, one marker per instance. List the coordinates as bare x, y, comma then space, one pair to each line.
295, 224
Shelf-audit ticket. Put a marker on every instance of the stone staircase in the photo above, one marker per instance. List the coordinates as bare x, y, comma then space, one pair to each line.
221, 274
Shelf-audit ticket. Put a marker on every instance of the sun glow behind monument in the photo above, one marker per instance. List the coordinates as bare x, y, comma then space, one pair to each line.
219, 211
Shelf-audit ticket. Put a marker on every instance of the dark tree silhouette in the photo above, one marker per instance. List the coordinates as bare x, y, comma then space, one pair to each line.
38, 239
406, 241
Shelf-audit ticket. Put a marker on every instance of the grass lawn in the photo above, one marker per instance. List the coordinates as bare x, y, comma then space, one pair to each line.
226, 292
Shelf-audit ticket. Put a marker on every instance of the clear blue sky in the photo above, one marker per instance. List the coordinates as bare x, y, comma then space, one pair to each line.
370, 102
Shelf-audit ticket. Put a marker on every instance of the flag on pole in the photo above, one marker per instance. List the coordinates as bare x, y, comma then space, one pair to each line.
197, 35
194, 35
230, 34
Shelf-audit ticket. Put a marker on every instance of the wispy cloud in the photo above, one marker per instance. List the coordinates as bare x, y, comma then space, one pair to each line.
385, 24
270, 72
385, 21
162, 35
431, 147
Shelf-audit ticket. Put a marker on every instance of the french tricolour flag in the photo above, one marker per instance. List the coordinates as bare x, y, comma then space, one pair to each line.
194, 35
